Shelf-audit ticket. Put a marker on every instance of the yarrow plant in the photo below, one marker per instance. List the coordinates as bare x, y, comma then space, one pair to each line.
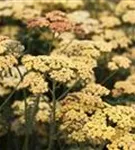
67, 75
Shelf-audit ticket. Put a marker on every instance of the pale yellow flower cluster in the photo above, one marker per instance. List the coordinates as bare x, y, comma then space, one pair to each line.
118, 62
123, 6
76, 110
79, 16
85, 117
20, 10
84, 50
84, 23
127, 86
90, 26
97, 130
10, 50
59, 68
5, 9
41, 116
126, 9
80, 100
109, 21
7, 62
121, 116
116, 37
24, 10
124, 142
95, 89
129, 17
35, 83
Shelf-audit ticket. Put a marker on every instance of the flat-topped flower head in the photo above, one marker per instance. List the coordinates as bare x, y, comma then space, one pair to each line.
119, 62
11, 47
38, 22
56, 21
60, 68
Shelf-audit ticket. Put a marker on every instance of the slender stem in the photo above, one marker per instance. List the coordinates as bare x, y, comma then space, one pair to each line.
109, 77
14, 90
26, 141
34, 111
53, 119
8, 98
67, 91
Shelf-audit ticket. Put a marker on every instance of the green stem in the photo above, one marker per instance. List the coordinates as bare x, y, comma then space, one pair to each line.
53, 119
26, 141
11, 94
67, 91
8, 98
109, 77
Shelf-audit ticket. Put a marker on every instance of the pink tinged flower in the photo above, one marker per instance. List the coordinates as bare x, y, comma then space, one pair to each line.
38, 22
60, 26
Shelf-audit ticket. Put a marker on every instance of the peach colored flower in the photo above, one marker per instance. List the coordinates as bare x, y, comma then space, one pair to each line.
38, 22
60, 26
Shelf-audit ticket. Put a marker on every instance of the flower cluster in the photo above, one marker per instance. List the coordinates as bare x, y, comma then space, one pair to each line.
74, 113
109, 21
59, 68
55, 21
10, 51
35, 82
126, 142
77, 67
117, 38
127, 86
119, 62
86, 117
96, 89
21, 10
126, 9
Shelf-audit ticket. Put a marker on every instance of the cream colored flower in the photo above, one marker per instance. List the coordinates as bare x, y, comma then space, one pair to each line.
95, 89
127, 86
60, 68
7, 62
129, 17
35, 83
109, 21
119, 62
